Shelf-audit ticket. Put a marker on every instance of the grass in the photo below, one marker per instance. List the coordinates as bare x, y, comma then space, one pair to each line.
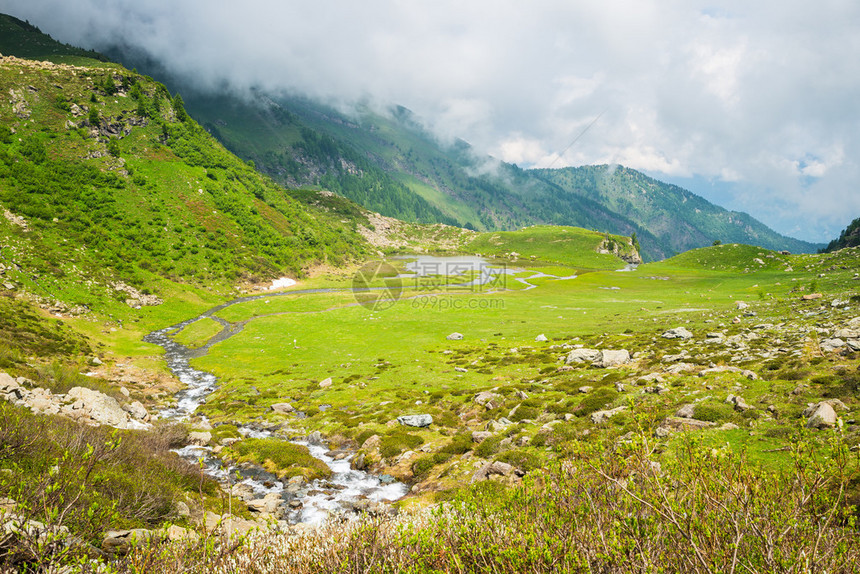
198, 333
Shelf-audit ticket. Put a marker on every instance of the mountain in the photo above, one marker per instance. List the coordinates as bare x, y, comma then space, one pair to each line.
298, 142
387, 161
680, 218
850, 237
108, 188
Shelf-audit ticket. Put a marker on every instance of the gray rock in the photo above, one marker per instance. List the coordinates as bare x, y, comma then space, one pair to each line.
200, 438
611, 358
493, 468
738, 402
419, 421
830, 345
602, 416
481, 436
282, 408
454, 337
741, 305
686, 412
585, 389
582, 356
121, 541
102, 408
541, 338
489, 399
823, 416
677, 333
136, 410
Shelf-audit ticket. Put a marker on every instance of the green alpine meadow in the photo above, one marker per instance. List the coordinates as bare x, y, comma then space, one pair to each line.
264, 335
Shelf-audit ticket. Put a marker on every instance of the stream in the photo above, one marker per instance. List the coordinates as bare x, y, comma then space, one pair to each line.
309, 503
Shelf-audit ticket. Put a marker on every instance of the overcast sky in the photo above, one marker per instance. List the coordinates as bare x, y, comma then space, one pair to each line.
755, 105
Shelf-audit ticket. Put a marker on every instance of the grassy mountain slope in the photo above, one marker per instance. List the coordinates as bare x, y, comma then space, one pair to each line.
104, 177
850, 237
474, 191
389, 163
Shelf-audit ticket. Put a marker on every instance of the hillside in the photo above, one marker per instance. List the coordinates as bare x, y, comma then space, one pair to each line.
850, 237
681, 219
104, 179
387, 162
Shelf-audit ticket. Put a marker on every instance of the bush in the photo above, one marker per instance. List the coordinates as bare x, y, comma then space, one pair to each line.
280, 457
521, 459
713, 412
397, 442
596, 401
489, 447
460, 443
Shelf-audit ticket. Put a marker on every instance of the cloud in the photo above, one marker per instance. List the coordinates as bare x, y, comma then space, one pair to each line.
763, 95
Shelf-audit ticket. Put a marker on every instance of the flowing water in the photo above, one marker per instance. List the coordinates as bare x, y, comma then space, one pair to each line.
323, 498
320, 499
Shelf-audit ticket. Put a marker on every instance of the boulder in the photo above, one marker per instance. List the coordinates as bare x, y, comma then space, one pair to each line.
610, 358
419, 421
315, 438
741, 305
677, 423
199, 438
102, 408
7, 383
179, 534
677, 333
738, 402
481, 436
495, 468
541, 338
830, 345
582, 356
454, 337
585, 389
823, 416
269, 504
811, 297
602, 416
136, 410
121, 541
325, 383
686, 412
282, 408
489, 399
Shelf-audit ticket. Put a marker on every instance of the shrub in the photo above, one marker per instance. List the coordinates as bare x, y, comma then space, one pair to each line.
489, 447
283, 458
397, 442
596, 401
713, 412
521, 459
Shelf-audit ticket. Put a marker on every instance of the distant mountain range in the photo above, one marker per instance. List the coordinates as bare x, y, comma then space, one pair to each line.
389, 163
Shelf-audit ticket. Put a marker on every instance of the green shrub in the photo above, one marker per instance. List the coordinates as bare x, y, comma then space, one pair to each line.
397, 442
460, 443
597, 400
488, 447
525, 413
283, 458
521, 459
713, 412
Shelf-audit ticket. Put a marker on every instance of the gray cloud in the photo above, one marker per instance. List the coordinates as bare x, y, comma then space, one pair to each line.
762, 95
